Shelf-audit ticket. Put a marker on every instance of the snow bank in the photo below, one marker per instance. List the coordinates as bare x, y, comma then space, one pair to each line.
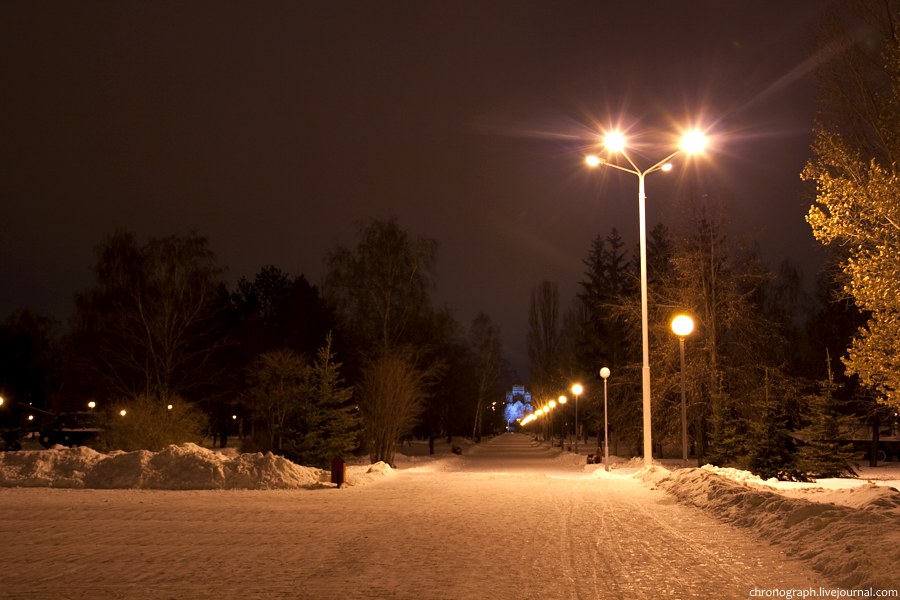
47, 469
181, 467
853, 545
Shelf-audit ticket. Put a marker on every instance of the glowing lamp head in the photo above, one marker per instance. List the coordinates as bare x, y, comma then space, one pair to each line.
563, 399
577, 389
552, 403
545, 410
604, 372
592, 160
123, 412
614, 141
92, 405
666, 167
693, 142
1, 400
682, 325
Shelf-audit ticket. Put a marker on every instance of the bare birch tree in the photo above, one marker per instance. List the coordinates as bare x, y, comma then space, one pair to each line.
543, 340
485, 339
392, 394
152, 324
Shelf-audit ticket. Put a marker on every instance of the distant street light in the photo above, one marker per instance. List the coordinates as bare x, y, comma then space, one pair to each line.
552, 405
565, 424
692, 142
576, 389
92, 405
604, 373
683, 325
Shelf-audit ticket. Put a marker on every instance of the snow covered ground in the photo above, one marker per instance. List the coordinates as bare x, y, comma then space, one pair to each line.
507, 519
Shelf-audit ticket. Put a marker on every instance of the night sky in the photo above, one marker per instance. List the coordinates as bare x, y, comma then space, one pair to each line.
276, 128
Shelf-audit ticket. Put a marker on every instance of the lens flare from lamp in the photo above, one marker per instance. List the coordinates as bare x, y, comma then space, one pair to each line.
693, 142
614, 141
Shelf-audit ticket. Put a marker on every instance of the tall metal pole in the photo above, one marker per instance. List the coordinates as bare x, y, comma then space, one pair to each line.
684, 442
645, 334
605, 430
645, 329
576, 423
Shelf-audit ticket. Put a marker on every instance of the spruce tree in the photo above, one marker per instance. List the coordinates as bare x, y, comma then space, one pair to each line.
727, 443
770, 447
825, 454
330, 426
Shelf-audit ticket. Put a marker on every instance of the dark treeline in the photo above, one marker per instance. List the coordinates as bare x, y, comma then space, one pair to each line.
282, 364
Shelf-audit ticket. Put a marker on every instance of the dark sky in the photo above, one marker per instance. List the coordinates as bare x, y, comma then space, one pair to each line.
275, 128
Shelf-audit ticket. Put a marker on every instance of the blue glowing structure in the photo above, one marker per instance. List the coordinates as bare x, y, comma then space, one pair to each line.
518, 404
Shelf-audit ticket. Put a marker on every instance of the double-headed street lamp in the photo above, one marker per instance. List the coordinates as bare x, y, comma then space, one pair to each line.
683, 325
692, 142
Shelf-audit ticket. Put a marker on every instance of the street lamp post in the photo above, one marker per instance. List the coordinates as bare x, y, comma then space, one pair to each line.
552, 405
576, 389
604, 373
683, 325
615, 142
565, 427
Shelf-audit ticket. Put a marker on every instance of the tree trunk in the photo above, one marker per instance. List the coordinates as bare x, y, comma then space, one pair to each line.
476, 428
876, 438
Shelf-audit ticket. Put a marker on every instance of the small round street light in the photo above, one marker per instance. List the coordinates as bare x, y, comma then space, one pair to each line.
565, 424
552, 405
683, 325
576, 389
604, 373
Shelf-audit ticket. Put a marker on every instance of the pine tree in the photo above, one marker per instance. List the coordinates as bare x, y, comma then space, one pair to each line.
824, 454
330, 426
727, 443
770, 446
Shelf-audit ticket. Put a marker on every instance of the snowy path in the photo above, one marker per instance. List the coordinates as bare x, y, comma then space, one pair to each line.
508, 521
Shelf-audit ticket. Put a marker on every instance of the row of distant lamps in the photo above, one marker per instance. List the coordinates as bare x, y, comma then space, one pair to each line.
92, 405
682, 326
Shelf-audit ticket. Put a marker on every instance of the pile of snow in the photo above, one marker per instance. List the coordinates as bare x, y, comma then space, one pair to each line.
865, 494
177, 467
853, 543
